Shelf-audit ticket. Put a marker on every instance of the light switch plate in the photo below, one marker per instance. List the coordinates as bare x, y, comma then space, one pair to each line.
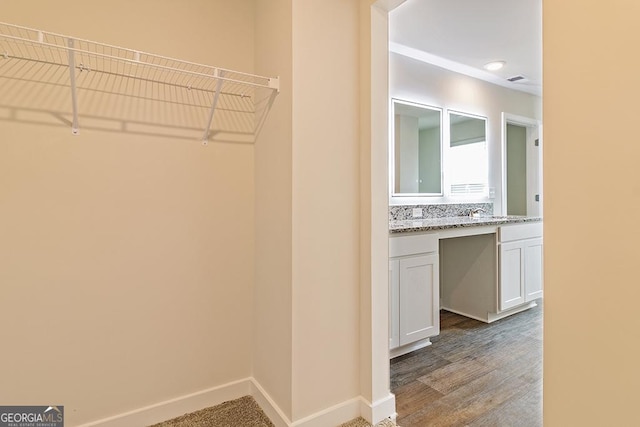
417, 212
492, 193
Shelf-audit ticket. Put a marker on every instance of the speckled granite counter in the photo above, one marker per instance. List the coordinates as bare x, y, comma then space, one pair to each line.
444, 223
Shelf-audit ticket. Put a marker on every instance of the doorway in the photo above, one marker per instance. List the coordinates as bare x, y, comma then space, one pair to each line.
522, 166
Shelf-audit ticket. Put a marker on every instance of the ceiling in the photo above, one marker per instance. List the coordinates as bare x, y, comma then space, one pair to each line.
463, 35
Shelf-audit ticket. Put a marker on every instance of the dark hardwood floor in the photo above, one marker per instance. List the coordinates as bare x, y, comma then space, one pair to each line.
474, 374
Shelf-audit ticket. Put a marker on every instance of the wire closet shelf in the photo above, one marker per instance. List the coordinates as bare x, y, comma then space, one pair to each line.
120, 83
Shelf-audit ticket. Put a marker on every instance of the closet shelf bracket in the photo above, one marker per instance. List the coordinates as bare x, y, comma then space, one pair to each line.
218, 74
72, 79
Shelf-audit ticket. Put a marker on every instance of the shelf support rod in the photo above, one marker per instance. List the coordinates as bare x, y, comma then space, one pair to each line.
205, 137
74, 95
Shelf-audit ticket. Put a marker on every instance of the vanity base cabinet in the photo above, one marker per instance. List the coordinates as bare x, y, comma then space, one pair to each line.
520, 272
490, 276
520, 258
414, 312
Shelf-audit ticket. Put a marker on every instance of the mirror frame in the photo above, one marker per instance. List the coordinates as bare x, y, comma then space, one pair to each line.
392, 145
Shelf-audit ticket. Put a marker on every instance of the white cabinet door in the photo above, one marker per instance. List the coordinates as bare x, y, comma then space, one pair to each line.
394, 303
533, 269
520, 272
511, 281
419, 298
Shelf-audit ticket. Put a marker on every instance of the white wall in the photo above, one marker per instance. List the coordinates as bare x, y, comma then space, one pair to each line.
126, 261
416, 81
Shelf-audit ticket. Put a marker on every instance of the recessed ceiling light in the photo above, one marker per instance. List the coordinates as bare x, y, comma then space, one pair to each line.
495, 65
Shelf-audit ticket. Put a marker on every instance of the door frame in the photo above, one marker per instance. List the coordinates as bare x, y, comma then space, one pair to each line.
534, 161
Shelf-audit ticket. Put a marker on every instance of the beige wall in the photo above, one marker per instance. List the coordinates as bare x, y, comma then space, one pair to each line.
314, 156
306, 344
325, 204
126, 261
272, 321
591, 353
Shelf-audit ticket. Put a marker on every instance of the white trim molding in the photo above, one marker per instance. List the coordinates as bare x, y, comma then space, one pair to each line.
172, 408
379, 410
332, 416
534, 166
268, 405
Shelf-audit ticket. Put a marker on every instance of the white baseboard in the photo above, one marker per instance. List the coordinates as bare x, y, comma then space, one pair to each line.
175, 407
270, 408
492, 317
379, 410
408, 348
332, 416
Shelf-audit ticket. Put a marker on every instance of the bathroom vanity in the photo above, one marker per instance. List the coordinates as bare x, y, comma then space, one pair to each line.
485, 268
446, 249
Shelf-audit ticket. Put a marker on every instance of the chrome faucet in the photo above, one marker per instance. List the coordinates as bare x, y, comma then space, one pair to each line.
473, 213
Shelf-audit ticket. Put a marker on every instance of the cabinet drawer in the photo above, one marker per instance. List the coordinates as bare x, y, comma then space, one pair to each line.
510, 233
413, 244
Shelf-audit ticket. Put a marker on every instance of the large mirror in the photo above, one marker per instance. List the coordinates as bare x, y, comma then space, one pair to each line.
417, 149
467, 169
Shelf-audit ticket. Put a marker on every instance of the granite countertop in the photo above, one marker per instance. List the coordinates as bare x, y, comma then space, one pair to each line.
431, 224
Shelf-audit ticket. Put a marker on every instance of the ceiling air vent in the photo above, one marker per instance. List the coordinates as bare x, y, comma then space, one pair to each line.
518, 78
